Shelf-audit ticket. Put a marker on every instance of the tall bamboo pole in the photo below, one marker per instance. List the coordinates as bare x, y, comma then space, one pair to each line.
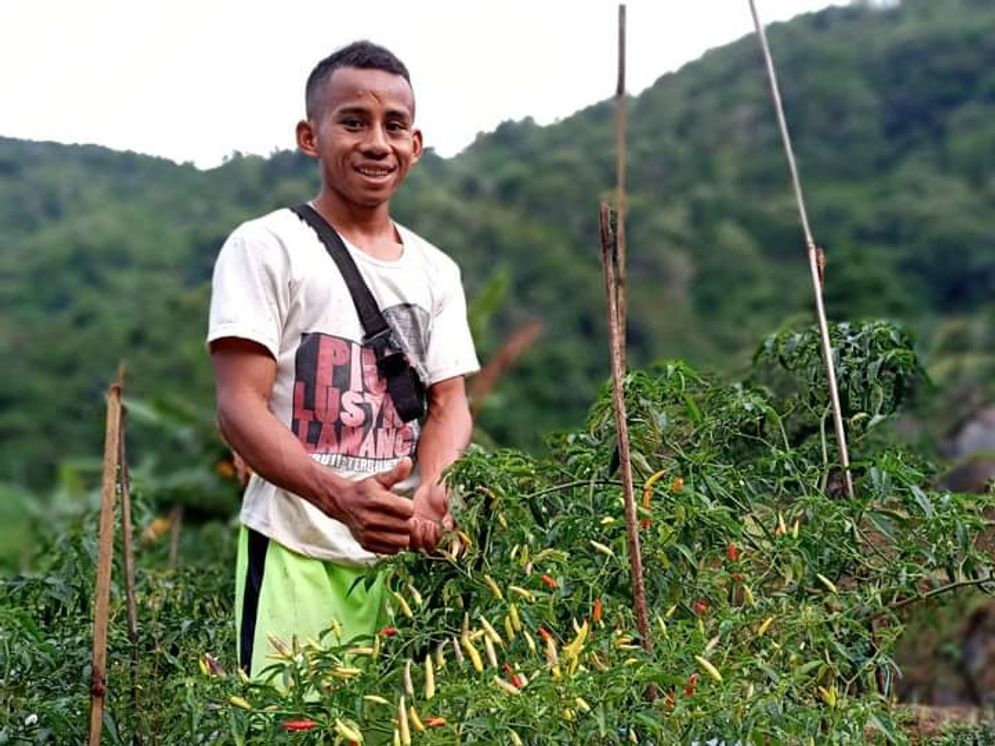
609, 258
102, 591
128, 550
815, 254
620, 164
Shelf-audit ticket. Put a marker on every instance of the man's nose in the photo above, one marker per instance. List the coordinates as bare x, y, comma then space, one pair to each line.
376, 142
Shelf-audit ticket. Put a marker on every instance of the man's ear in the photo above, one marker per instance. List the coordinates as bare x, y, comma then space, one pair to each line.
306, 138
418, 148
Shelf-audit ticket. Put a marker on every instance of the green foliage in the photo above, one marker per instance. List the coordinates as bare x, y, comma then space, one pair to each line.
774, 603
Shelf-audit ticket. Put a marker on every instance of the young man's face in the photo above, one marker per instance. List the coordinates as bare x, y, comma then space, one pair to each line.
364, 135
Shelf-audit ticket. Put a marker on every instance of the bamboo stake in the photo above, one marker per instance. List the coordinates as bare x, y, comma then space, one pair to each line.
816, 257
609, 257
102, 592
129, 571
620, 162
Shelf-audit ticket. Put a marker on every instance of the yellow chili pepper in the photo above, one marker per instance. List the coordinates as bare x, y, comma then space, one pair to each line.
490, 632
419, 601
405, 609
826, 582
473, 655
239, 702
491, 655
509, 630
748, 596
605, 550
402, 723
493, 587
709, 668
409, 687
429, 678
415, 720
529, 641
516, 621
523, 592
506, 686
764, 626
349, 734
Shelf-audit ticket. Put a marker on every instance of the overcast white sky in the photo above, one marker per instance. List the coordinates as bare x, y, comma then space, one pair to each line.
194, 80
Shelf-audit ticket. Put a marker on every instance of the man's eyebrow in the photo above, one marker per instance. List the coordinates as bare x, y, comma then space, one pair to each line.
358, 109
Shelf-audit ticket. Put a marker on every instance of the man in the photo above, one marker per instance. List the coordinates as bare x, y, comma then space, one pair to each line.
299, 395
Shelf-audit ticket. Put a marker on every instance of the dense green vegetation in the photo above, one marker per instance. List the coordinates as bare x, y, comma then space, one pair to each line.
775, 604
107, 255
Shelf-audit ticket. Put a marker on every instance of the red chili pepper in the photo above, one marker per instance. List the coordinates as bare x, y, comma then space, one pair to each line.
596, 613
299, 725
388, 631
550, 583
645, 523
435, 722
546, 637
700, 606
732, 552
692, 684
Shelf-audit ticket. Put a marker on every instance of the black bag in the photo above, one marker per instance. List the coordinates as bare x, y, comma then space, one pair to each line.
403, 382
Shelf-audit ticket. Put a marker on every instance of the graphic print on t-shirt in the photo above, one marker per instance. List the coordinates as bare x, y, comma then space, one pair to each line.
342, 413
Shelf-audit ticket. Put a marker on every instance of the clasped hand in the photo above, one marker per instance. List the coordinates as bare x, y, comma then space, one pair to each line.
387, 523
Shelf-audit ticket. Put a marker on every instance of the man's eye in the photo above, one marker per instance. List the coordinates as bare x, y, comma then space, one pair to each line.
397, 127
352, 123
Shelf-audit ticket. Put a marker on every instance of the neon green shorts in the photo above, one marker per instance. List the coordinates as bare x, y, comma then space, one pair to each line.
284, 594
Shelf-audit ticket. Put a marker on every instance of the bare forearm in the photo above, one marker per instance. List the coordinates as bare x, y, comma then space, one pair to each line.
276, 455
445, 435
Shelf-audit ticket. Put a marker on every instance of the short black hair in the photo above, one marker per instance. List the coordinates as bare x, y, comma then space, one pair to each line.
362, 54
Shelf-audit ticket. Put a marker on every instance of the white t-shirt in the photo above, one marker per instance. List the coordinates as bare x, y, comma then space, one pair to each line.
275, 284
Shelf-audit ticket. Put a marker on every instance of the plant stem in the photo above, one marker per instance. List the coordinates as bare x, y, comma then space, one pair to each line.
942, 589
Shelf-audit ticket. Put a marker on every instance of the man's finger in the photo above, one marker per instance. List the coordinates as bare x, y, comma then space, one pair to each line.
398, 474
385, 543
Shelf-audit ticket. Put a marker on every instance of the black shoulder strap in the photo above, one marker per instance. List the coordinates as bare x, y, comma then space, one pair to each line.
370, 316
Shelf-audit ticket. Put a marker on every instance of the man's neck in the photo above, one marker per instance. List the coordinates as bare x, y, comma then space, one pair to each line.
368, 228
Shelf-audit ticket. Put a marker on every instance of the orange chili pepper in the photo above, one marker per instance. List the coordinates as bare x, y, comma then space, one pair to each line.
546, 637
550, 583
596, 613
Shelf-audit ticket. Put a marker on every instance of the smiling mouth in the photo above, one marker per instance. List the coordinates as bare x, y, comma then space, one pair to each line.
374, 173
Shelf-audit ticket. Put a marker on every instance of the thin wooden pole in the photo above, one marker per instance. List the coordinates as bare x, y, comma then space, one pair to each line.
620, 193
176, 526
129, 573
102, 591
816, 257
609, 257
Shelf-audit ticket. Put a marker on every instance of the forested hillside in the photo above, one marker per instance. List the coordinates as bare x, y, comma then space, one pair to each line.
108, 255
